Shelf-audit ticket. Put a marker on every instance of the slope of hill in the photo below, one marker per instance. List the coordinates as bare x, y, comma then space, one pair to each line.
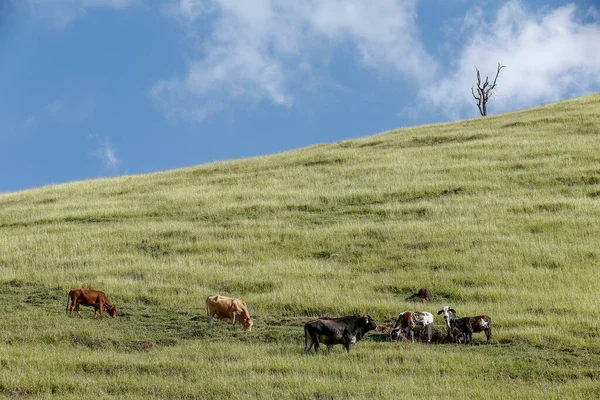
497, 215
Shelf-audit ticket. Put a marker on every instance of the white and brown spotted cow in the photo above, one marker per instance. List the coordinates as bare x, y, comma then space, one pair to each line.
411, 321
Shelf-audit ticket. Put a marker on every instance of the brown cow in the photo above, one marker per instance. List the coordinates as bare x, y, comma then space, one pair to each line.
90, 298
228, 308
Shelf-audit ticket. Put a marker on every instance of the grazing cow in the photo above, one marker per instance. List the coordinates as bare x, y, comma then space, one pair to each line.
330, 331
466, 326
439, 336
228, 308
90, 298
411, 321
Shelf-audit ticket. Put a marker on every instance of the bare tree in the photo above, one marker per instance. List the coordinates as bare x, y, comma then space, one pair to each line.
485, 91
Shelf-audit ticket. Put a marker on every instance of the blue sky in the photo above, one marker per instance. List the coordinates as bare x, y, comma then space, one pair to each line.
100, 88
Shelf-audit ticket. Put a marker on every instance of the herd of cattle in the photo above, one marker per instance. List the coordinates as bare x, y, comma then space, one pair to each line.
328, 331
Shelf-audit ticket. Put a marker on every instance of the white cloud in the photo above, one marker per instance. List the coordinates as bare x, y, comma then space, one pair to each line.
106, 153
110, 159
192, 9
384, 32
548, 56
259, 50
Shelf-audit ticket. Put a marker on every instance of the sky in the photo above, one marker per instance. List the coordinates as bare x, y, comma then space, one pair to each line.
103, 88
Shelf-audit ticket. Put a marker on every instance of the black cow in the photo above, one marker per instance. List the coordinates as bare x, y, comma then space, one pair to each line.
329, 331
466, 326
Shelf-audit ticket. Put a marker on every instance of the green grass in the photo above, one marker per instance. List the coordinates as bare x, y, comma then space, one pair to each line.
497, 215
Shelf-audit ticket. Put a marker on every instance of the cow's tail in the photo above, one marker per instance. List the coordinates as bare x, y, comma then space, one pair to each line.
307, 344
68, 302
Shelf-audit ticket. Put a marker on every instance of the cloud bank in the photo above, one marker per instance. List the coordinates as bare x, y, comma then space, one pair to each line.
271, 51
548, 56
259, 50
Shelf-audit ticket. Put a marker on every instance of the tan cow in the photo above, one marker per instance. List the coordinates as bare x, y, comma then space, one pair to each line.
90, 298
228, 308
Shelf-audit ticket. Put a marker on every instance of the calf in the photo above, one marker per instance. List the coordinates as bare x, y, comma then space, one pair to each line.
466, 326
411, 321
90, 298
439, 336
330, 331
228, 308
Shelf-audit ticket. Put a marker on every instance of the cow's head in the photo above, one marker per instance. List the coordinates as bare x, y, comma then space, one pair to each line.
248, 323
370, 323
449, 314
112, 310
396, 334
366, 322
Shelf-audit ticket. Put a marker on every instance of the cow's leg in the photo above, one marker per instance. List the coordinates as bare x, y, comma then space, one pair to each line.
488, 334
317, 346
100, 308
412, 336
233, 310
458, 336
347, 342
469, 336
307, 346
316, 342
71, 309
78, 311
429, 332
209, 315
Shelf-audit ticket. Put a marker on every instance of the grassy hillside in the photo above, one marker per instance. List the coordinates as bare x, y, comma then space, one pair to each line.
497, 215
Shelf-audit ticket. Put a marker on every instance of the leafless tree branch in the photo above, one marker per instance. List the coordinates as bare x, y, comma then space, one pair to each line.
485, 91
